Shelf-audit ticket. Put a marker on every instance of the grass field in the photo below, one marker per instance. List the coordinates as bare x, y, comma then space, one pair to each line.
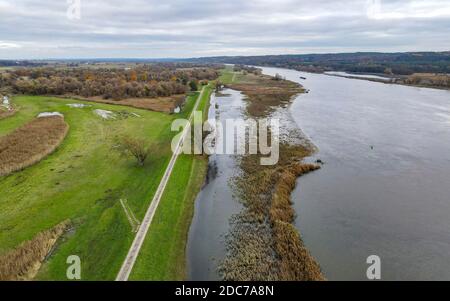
227, 75
162, 256
83, 181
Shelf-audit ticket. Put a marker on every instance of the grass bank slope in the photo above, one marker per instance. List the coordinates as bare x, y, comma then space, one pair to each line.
83, 181
163, 254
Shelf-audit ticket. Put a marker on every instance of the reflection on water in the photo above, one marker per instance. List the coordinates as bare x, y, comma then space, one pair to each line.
214, 205
384, 188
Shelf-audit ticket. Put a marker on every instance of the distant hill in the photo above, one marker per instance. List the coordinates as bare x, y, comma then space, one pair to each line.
405, 63
19, 63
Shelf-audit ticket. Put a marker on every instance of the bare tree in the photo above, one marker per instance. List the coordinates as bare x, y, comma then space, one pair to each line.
135, 147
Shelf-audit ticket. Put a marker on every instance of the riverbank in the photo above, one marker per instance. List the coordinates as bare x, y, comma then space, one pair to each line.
163, 254
262, 243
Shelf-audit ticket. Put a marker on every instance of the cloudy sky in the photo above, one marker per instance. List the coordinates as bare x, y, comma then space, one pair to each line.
191, 28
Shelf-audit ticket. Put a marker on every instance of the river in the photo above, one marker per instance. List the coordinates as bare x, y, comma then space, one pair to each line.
385, 186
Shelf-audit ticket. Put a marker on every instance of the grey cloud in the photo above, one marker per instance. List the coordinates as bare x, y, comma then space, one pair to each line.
139, 28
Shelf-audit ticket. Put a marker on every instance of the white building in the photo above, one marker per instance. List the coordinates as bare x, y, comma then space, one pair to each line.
6, 101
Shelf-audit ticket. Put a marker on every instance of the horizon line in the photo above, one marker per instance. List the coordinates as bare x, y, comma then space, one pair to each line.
214, 56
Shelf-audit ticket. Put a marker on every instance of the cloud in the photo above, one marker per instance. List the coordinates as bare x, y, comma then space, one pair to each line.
6, 45
179, 28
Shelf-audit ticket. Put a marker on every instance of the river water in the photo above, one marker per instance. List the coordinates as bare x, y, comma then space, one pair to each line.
385, 186
215, 204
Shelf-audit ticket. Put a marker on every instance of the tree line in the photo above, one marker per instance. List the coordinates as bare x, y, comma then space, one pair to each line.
140, 81
406, 63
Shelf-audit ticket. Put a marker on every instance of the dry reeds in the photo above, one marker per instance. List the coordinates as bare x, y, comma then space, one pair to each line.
263, 93
296, 263
4, 113
24, 262
262, 243
281, 209
30, 143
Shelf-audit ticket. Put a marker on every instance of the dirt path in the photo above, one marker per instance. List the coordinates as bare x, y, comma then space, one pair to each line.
133, 253
134, 223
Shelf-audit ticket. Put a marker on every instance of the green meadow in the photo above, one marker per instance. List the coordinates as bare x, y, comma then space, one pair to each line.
162, 255
84, 179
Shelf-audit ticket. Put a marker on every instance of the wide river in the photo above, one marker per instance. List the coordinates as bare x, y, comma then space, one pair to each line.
384, 188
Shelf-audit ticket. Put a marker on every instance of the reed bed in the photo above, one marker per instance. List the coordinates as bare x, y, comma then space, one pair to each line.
263, 244
24, 262
264, 93
30, 143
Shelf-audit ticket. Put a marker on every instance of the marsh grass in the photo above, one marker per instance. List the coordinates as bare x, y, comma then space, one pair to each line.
264, 93
263, 244
296, 263
30, 143
23, 262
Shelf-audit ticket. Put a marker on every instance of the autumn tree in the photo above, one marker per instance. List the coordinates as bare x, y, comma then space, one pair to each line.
193, 85
133, 76
156, 80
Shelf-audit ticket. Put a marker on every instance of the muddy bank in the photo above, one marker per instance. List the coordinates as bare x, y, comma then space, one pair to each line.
263, 243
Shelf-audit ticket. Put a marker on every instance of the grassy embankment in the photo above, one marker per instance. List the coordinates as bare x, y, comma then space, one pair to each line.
263, 244
83, 181
162, 256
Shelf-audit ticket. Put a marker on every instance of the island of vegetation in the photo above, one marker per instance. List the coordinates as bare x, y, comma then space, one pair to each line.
263, 243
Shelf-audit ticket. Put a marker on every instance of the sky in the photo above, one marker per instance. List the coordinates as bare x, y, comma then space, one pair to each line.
42, 29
